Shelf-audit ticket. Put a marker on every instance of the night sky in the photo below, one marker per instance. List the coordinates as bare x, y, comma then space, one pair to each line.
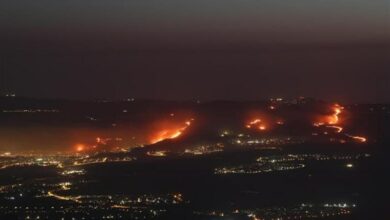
199, 49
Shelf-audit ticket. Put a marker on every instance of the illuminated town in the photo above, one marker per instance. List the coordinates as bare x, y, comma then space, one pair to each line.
301, 211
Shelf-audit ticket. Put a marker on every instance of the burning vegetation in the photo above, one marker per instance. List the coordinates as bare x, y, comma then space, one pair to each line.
111, 127
334, 122
270, 121
169, 129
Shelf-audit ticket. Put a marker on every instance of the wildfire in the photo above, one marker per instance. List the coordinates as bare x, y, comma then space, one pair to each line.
171, 132
257, 123
339, 129
333, 119
80, 147
358, 138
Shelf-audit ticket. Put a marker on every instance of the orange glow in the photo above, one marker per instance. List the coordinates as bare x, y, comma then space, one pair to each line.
262, 127
332, 119
257, 123
170, 132
358, 138
338, 128
80, 147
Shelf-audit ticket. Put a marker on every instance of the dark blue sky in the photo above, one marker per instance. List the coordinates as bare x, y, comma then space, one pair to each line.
207, 49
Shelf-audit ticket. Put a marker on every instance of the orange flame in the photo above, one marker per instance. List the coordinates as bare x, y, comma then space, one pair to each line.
358, 138
262, 127
170, 133
80, 147
339, 129
332, 119
257, 123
